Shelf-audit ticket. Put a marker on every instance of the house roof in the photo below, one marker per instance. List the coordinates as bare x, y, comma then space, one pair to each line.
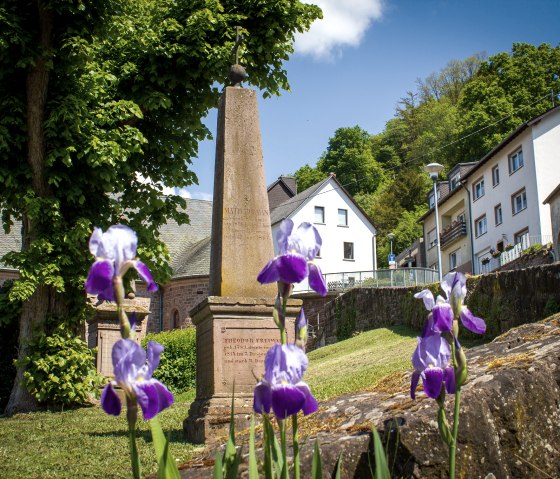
189, 244
287, 181
286, 209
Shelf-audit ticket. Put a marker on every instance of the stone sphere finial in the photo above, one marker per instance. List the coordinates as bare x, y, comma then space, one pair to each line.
237, 74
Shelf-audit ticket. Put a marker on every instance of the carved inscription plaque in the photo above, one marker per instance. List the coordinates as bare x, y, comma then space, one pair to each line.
247, 224
243, 352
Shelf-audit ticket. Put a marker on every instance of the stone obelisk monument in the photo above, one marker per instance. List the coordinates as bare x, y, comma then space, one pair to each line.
234, 326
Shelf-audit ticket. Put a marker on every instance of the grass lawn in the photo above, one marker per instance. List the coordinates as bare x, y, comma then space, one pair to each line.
359, 362
84, 443
87, 443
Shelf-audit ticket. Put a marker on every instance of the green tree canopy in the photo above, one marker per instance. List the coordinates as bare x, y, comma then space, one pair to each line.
98, 96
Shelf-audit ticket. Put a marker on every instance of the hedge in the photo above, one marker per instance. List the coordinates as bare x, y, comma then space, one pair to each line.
177, 368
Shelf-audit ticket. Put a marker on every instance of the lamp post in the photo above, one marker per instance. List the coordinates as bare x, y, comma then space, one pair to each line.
433, 170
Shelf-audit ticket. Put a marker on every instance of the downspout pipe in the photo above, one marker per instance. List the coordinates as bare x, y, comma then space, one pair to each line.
462, 183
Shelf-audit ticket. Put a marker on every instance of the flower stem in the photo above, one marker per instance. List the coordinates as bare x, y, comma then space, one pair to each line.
283, 334
284, 447
295, 439
132, 415
118, 290
453, 446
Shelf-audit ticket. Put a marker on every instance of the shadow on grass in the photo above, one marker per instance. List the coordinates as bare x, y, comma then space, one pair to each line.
174, 435
468, 340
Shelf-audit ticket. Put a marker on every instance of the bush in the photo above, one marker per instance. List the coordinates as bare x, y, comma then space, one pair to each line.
534, 248
177, 368
9, 332
61, 369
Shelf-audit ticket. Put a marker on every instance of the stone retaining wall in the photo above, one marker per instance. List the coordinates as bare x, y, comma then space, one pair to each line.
504, 299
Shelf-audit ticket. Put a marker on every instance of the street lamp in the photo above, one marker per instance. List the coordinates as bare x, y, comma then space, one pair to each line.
391, 236
433, 170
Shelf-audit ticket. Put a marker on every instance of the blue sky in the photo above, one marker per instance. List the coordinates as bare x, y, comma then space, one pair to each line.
354, 66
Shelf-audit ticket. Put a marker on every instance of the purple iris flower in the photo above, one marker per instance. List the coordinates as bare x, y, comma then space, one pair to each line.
443, 310
115, 254
296, 259
134, 375
431, 363
282, 388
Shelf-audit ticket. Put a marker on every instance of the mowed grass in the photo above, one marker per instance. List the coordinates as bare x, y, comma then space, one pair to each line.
359, 362
87, 443
84, 443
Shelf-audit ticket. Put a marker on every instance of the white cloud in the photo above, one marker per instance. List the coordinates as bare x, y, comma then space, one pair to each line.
344, 24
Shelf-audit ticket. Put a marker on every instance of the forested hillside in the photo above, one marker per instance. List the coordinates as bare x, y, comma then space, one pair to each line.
453, 116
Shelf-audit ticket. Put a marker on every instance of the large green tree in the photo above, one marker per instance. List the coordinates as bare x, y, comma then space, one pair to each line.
509, 88
96, 96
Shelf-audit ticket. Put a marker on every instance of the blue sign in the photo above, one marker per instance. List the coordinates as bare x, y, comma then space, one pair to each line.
392, 258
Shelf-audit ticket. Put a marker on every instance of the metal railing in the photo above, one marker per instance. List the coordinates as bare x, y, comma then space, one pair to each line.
380, 278
490, 264
455, 230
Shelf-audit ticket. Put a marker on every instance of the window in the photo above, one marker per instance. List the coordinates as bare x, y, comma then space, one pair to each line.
478, 189
515, 161
518, 201
320, 214
454, 182
461, 217
431, 203
522, 237
342, 217
454, 259
176, 321
480, 226
432, 240
348, 250
495, 176
498, 214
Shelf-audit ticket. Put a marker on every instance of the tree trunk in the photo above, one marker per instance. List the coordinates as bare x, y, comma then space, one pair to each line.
44, 300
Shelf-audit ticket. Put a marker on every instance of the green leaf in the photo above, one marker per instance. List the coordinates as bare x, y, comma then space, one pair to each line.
217, 472
381, 468
338, 467
167, 468
316, 466
253, 470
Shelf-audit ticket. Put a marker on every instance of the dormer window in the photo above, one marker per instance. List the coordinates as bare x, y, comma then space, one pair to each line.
431, 198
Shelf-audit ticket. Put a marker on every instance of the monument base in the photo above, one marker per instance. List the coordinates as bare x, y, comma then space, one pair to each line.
232, 338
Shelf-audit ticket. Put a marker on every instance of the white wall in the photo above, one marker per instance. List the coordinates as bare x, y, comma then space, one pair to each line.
359, 231
545, 175
546, 145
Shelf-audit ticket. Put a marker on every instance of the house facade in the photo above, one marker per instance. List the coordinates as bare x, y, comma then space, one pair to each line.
497, 204
554, 201
349, 237
454, 223
508, 187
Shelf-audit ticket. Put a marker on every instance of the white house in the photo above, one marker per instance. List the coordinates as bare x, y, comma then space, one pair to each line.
348, 253
508, 187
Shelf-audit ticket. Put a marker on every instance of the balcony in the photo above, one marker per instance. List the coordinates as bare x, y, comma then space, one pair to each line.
455, 230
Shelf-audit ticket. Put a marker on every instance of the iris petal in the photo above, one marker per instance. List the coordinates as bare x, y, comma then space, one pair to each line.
286, 400
316, 279
127, 356
449, 378
262, 398
433, 380
154, 354
145, 275
269, 273
443, 317
414, 383
110, 401
428, 298
292, 268
148, 399
311, 405
471, 322
283, 235
100, 277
